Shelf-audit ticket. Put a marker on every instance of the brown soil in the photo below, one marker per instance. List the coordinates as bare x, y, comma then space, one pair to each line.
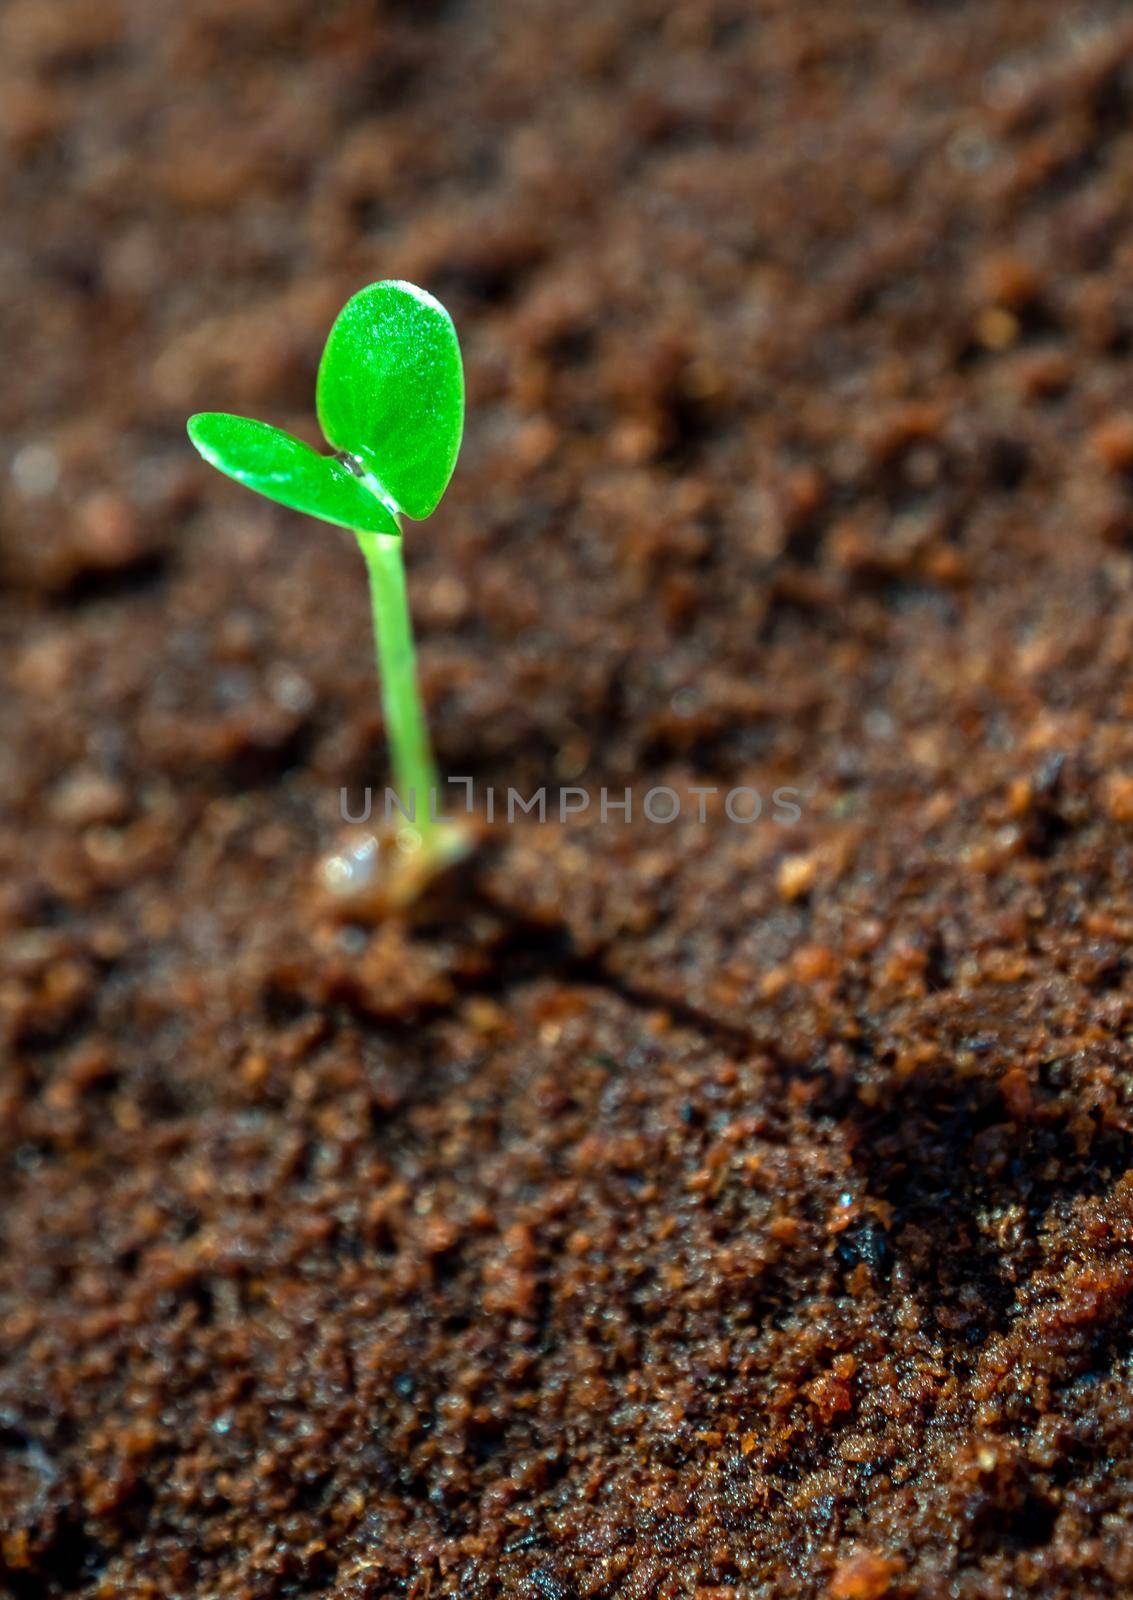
703, 1210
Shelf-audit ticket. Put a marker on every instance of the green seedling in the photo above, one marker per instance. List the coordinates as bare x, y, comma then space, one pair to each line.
390, 401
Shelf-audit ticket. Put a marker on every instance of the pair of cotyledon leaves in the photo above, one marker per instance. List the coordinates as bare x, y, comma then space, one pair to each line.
390, 399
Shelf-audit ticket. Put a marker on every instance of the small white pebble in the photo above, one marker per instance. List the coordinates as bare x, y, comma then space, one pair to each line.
290, 690
352, 870
35, 471
970, 151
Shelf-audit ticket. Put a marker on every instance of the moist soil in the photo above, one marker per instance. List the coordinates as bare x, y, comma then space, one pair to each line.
708, 1209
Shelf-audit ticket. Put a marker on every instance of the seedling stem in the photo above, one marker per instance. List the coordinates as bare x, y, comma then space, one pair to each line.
411, 754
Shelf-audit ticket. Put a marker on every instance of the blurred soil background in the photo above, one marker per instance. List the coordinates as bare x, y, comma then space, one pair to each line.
707, 1210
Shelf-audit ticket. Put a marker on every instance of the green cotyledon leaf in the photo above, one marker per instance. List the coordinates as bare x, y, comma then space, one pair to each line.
391, 392
283, 468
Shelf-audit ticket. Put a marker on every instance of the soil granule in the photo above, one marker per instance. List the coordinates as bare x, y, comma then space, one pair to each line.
708, 1210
